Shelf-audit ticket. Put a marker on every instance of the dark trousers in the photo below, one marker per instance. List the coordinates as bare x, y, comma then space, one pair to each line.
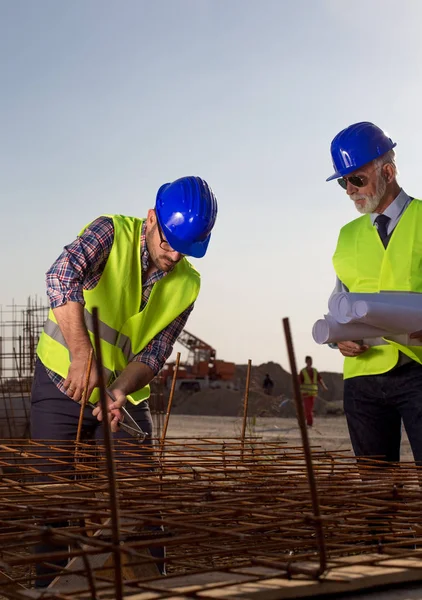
375, 407
55, 416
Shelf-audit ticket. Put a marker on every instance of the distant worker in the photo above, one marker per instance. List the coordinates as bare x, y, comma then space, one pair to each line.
309, 379
137, 274
380, 250
268, 384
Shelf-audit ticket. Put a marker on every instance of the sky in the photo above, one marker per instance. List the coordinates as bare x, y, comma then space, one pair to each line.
102, 101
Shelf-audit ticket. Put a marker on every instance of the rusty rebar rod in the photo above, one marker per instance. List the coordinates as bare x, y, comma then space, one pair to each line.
306, 447
111, 474
169, 404
245, 406
84, 397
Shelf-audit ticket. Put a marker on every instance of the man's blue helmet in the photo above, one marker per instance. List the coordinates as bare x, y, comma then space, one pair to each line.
186, 211
356, 146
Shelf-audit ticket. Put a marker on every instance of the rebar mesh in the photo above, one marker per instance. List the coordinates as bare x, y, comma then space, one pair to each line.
220, 513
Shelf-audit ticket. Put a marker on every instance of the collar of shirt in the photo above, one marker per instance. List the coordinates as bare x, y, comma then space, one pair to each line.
395, 210
157, 275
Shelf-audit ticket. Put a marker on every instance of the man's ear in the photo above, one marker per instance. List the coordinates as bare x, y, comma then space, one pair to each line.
151, 217
389, 172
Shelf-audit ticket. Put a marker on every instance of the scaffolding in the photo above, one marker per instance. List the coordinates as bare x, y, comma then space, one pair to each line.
20, 329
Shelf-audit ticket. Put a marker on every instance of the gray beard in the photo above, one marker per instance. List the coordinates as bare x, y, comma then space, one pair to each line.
371, 202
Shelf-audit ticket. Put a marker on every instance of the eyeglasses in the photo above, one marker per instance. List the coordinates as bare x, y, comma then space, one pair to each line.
164, 245
356, 180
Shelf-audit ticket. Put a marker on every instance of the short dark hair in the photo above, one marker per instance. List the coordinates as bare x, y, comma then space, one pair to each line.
308, 358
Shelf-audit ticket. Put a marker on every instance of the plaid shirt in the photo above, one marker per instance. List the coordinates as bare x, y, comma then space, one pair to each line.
80, 266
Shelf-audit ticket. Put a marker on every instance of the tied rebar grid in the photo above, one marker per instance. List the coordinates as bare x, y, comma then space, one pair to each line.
20, 328
226, 506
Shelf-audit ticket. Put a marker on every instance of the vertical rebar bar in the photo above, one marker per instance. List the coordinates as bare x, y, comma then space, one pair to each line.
20, 370
169, 404
245, 407
84, 399
111, 471
306, 448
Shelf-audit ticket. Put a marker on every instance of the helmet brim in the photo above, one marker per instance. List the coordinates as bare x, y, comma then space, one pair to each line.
195, 249
353, 168
334, 176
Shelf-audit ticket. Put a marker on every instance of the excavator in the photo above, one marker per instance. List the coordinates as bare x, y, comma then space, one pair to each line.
201, 370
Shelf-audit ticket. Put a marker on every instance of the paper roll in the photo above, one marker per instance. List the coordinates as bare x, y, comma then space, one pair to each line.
328, 330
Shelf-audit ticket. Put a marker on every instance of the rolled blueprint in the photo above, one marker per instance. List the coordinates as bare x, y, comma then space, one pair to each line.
395, 319
340, 305
328, 330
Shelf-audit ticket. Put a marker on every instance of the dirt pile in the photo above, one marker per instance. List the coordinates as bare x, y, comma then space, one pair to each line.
281, 378
226, 403
229, 403
283, 381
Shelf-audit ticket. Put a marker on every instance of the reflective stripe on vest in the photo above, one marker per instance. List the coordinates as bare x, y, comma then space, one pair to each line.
310, 386
363, 264
53, 330
106, 333
124, 331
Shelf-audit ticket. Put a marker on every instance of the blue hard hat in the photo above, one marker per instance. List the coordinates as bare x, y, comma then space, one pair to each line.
356, 146
186, 211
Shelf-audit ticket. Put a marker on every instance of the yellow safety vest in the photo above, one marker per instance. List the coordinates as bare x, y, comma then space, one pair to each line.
124, 330
310, 386
364, 265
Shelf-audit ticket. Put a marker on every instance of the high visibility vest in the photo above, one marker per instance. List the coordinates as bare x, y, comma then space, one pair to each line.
309, 387
124, 329
364, 265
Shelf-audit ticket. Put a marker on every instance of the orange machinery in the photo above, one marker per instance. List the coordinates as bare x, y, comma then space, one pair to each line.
201, 369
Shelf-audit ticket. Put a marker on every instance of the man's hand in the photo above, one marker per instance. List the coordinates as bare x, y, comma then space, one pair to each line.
416, 335
352, 349
76, 376
133, 377
113, 409
70, 318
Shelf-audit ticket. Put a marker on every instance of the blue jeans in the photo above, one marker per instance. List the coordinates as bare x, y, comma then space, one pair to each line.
375, 407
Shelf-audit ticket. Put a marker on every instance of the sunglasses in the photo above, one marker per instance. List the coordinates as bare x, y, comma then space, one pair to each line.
356, 180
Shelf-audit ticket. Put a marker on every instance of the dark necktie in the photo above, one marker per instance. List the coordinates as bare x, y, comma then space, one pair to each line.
382, 225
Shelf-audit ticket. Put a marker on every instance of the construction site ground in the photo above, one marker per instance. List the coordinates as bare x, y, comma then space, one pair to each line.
328, 433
